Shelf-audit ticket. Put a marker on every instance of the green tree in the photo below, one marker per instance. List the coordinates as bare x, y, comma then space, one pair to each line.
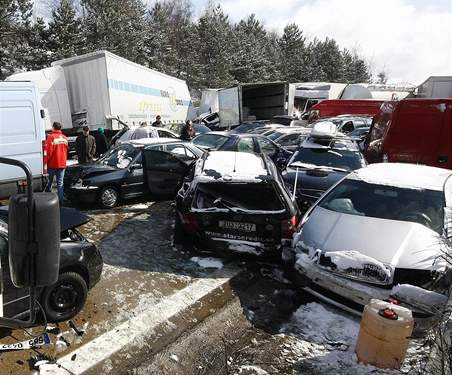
293, 54
66, 37
382, 77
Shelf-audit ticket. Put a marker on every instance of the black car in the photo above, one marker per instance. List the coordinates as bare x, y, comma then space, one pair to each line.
290, 137
177, 128
235, 203
246, 127
80, 269
319, 164
118, 174
254, 143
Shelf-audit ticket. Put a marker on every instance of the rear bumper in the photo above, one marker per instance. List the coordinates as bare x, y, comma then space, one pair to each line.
94, 265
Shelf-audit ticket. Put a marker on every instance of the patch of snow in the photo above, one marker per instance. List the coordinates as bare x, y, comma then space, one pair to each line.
250, 369
174, 357
208, 262
345, 260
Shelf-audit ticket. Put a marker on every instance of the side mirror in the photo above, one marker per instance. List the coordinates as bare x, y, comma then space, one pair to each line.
43, 244
136, 166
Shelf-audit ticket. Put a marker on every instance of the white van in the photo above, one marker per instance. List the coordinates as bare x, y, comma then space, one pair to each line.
22, 135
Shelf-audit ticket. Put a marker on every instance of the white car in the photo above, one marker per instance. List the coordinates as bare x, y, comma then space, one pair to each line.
380, 232
145, 132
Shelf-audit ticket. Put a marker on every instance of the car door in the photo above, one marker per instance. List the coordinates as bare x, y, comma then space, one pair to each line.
162, 172
133, 180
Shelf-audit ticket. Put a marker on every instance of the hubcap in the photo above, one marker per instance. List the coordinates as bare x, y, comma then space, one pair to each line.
109, 197
64, 297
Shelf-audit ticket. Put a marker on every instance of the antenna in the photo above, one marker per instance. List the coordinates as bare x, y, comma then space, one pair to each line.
235, 160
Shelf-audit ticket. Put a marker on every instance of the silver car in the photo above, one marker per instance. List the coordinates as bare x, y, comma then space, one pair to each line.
380, 232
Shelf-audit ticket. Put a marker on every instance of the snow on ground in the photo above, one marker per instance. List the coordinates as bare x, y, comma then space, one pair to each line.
325, 342
208, 262
255, 370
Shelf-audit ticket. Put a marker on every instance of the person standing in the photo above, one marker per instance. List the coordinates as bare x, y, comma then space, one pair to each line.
157, 122
187, 132
101, 142
56, 148
85, 146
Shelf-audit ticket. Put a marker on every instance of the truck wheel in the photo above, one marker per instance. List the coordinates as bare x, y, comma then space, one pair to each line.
108, 197
65, 298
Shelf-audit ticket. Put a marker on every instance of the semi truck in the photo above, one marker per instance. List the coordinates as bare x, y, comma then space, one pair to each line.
254, 101
101, 89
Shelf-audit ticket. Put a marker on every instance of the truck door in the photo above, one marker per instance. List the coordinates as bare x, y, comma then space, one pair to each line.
444, 156
229, 107
162, 172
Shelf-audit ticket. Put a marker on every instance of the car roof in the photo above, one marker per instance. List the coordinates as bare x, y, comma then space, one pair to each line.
336, 143
293, 129
152, 141
230, 166
412, 176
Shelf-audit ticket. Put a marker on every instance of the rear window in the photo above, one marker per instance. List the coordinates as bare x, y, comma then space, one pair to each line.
241, 196
212, 141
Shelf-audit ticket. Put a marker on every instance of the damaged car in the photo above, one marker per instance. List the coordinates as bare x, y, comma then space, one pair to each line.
378, 233
235, 202
80, 270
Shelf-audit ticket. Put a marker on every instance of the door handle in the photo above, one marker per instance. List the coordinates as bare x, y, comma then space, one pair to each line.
443, 158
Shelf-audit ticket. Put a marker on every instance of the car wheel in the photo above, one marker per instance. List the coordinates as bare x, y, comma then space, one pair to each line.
108, 197
65, 298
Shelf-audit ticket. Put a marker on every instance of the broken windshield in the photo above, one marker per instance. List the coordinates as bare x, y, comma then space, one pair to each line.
119, 157
238, 197
387, 202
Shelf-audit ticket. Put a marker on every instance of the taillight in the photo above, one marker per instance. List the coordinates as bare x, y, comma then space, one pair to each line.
288, 227
44, 157
189, 222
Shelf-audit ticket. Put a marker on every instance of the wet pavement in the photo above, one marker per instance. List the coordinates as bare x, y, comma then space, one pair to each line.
141, 268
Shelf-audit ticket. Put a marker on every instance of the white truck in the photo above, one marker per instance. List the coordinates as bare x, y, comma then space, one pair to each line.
22, 135
254, 101
99, 87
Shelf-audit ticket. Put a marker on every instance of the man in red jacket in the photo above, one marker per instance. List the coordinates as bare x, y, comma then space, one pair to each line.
56, 148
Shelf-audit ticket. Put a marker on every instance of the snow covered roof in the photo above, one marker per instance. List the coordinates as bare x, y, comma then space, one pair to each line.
232, 166
412, 176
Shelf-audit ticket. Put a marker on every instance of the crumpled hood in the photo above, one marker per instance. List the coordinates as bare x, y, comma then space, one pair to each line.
83, 171
401, 244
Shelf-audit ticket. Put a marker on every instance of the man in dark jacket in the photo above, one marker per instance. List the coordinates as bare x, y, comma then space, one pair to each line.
158, 122
85, 146
101, 142
187, 132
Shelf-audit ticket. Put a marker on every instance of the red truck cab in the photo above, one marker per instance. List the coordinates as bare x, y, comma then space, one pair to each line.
417, 131
336, 107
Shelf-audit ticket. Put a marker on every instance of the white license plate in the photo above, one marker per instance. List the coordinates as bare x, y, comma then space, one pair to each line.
244, 227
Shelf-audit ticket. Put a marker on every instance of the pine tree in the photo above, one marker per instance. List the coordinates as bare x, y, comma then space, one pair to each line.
382, 77
65, 32
215, 36
117, 26
328, 60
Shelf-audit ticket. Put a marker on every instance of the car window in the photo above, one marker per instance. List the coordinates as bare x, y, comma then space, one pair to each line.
274, 136
266, 146
289, 140
212, 141
163, 161
141, 133
245, 145
237, 195
347, 127
181, 151
357, 197
120, 156
325, 157
164, 134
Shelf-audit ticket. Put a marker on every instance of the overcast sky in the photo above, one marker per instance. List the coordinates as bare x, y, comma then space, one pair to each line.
409, 39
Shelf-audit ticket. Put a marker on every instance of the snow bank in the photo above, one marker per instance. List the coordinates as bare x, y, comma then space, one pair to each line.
208, 262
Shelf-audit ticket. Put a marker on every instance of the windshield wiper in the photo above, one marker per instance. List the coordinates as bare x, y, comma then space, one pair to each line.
228, 205
299, 164
327, 167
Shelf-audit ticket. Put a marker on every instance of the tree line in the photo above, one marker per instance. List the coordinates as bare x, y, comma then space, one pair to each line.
209, 51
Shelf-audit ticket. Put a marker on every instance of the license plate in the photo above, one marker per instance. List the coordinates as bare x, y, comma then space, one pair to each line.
244, 227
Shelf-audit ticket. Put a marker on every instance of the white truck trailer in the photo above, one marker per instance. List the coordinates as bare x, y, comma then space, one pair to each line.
255, 101
98, 87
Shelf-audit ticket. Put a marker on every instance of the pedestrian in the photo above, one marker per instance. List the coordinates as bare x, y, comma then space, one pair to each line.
157, 122
56, 148
187, 133
85, 146
101, 142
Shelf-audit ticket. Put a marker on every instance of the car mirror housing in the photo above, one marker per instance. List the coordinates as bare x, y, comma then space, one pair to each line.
43, 243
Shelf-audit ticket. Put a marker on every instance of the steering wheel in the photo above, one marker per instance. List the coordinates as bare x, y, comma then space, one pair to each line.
416, 216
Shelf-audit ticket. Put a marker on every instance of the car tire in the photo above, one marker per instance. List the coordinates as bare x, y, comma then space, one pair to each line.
109, 197
65, 298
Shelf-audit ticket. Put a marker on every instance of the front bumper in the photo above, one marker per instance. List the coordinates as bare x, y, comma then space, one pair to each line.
348, 294
85, 195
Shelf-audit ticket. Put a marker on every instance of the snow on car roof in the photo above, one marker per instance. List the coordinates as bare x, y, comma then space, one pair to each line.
411, 176
232, 166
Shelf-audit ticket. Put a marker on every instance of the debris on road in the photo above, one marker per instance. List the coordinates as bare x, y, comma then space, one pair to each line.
208, 262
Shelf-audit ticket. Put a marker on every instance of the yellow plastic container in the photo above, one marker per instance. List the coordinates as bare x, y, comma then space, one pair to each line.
384, 334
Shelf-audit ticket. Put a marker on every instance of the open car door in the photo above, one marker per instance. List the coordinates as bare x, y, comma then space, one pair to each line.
162, 172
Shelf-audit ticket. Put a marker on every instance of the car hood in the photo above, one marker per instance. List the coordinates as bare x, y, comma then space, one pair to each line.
397, 243
82, 171
316, 180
